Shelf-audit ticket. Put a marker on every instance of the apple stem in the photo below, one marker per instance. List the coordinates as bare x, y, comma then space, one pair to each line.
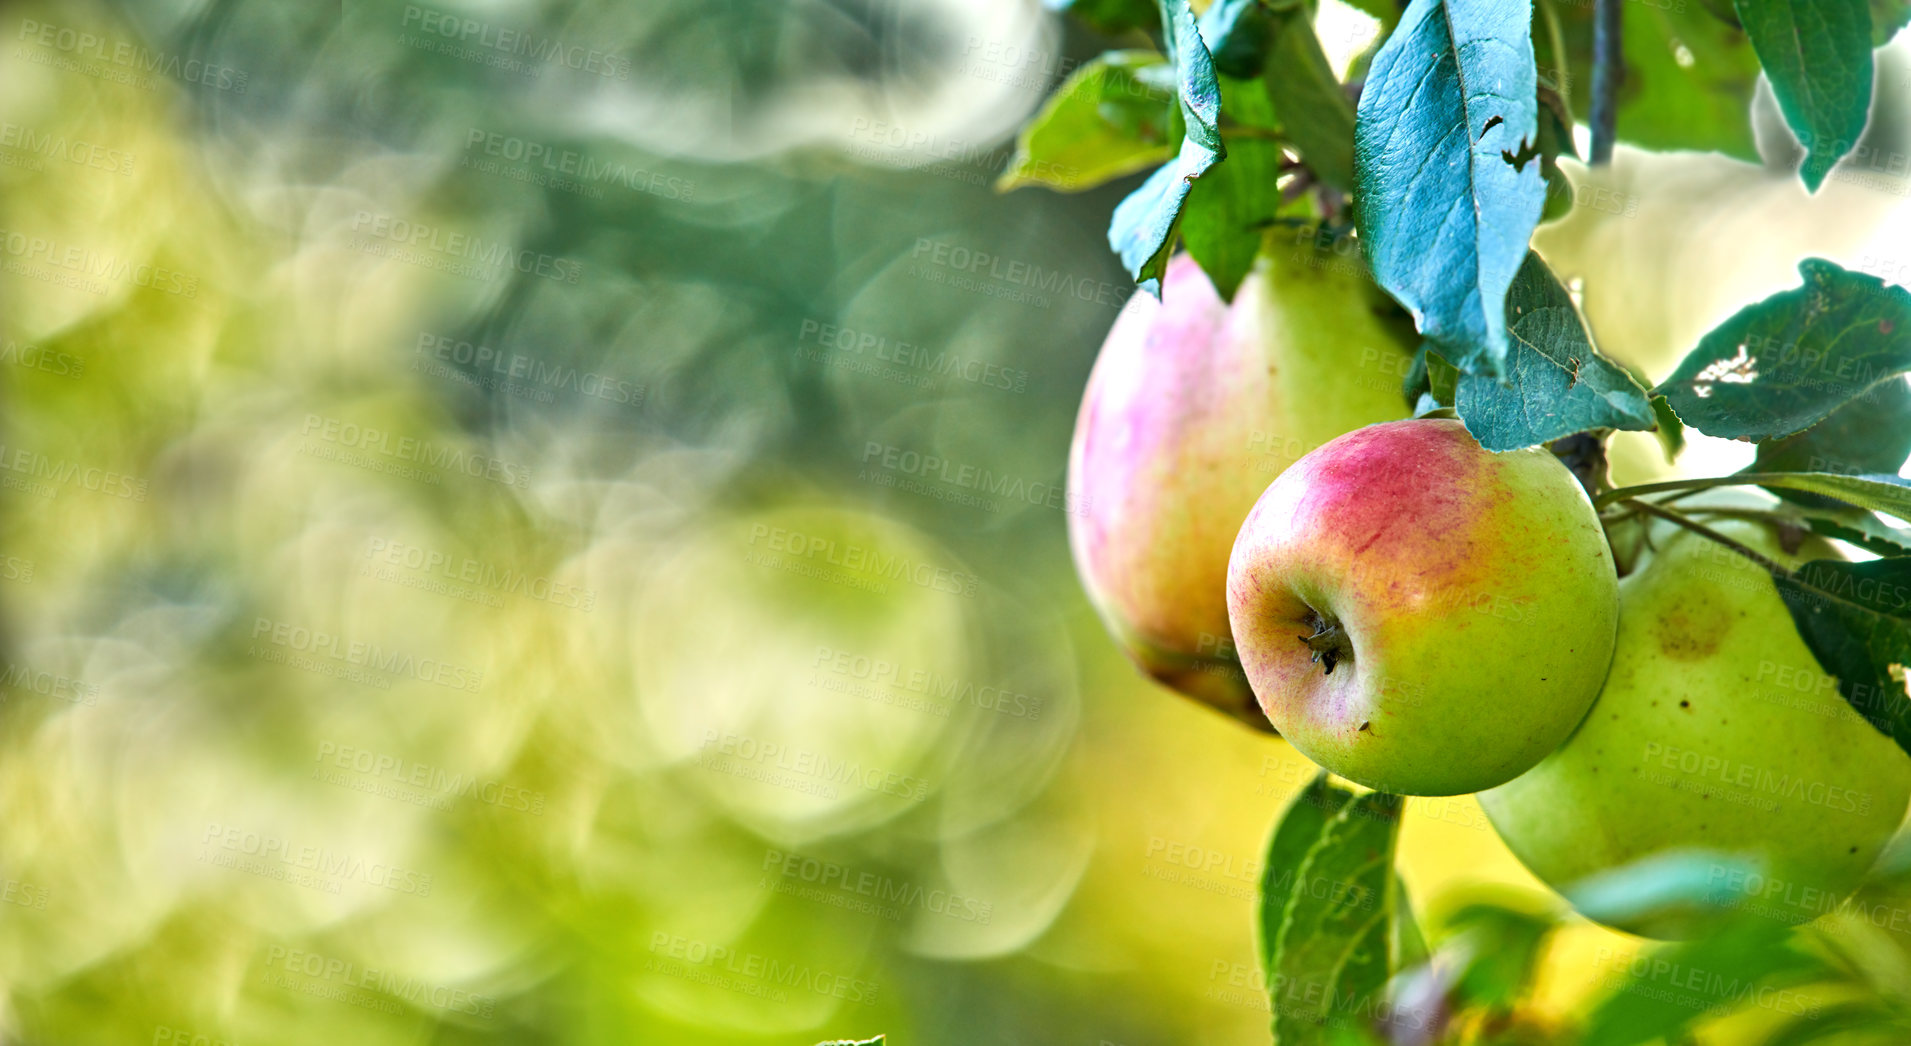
1329, 641
1704, 531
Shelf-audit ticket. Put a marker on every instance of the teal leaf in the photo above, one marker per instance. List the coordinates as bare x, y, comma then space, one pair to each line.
1870, 434
1556, 383
1782, 365
1142, 232
1237, 34
1448, 195
1108, 119
1682, 888
1818, 56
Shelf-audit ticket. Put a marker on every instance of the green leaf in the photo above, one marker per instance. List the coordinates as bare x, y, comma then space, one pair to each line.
1229, 211
1672, 988
1857, 526
1108, 119
1496, 950
1409, 945
1879, 491
1448, 196
1556, 383
1317, 118
1856, 618
1689, 80
1670, 430
1300, 827
1329, 959
1834, 1021
1442, 379
1818, 56
1109, 16
1780, 366
877, 1041
1887, 17
1869, 434
1143, 229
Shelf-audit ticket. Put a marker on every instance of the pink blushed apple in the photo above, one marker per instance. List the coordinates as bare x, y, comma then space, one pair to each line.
1420, 615
1193, 406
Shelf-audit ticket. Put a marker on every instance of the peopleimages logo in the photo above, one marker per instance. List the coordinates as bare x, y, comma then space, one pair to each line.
132, 57
517, 367
970, 477
415, 451
561, 164
487, 254
97, 264
269, 850
351, 974
474, 33
1018, 273
319, 643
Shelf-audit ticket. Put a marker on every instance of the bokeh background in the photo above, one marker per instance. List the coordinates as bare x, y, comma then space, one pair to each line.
541, 522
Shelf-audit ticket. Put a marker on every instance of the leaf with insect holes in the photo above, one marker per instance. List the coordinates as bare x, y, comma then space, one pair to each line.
1782, 365
1108, 119
1143, 230
1856, 618
1448, 190
1818, 56
1327, 910
1556, 384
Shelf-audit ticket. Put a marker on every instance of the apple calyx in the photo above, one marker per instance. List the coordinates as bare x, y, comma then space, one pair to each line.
1329, 641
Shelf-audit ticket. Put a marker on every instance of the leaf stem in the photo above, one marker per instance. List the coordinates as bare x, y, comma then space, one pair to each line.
1737, 479
1608, 70
1696, 527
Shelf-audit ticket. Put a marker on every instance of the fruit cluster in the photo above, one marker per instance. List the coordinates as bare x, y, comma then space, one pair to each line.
1272, 536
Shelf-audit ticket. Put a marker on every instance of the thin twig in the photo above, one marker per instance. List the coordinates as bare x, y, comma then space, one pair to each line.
1737, 479
1696, 527
1608, 71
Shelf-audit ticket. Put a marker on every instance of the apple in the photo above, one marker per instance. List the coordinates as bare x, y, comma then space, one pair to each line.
1192, 407
1420, 615
1716, 731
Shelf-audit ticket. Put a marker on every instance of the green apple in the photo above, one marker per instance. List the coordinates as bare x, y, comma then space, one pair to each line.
1420, 615
1716, 731
1192, 407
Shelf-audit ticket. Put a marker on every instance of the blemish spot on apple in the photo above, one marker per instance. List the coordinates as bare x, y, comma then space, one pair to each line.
1690, 631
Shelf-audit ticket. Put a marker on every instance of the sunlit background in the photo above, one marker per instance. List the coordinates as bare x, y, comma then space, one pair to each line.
542, 523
